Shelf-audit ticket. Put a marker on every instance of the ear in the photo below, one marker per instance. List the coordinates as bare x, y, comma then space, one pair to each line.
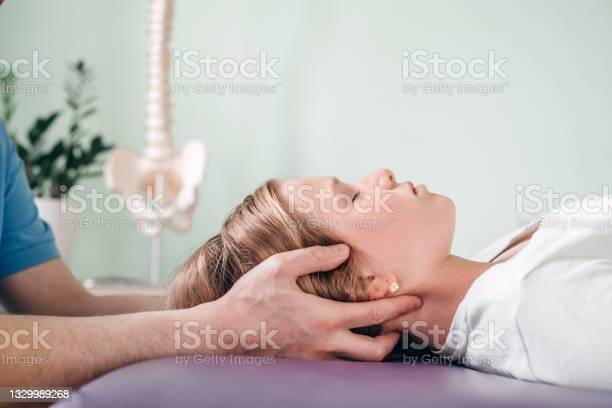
380, 285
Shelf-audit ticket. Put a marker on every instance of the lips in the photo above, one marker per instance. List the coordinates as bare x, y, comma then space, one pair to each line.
418, 190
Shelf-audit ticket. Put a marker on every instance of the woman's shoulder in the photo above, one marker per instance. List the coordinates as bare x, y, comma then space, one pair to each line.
582, 230
559, 311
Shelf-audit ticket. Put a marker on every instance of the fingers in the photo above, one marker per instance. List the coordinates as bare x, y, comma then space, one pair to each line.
364, 314
399, 324
365, 348
404, 322
308, 260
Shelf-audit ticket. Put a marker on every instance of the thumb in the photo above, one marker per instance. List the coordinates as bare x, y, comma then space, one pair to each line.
314, 259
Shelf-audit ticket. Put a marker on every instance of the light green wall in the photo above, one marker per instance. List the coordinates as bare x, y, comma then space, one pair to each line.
339, 108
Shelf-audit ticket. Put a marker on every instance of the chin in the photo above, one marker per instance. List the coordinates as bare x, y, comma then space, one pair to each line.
445, 203
451, 204
447, 211
451, 216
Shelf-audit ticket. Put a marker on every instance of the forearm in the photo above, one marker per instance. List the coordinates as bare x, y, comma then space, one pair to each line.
87, 304
76, 350
93, 305
50, 289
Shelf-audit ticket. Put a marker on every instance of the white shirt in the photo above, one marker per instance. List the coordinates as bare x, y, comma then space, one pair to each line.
546, 313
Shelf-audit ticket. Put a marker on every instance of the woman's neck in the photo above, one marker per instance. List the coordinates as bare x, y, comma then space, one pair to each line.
452, 278
441, 295
447, 286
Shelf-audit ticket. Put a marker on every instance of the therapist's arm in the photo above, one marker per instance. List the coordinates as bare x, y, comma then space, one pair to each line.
50, 289
34, 280
77, 349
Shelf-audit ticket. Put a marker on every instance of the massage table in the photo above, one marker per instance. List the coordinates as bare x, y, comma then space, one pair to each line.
297, 383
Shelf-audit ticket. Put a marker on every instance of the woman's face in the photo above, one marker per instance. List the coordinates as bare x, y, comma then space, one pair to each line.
396, 231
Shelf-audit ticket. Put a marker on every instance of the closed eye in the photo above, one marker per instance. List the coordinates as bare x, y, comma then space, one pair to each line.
355, 195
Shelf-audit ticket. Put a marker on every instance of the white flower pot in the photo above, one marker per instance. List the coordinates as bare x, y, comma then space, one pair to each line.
63, 225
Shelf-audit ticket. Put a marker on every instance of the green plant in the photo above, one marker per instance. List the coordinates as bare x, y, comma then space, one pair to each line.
55, 168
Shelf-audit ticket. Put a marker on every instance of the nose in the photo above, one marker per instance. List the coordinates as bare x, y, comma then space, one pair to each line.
383, 178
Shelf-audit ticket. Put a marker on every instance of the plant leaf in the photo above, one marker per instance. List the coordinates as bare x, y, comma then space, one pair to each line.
88, 112
22, 152
40, 127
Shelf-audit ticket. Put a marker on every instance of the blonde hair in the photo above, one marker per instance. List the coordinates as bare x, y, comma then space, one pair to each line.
255, 230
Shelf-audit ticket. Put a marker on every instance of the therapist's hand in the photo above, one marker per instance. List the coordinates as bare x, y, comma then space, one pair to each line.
308, 326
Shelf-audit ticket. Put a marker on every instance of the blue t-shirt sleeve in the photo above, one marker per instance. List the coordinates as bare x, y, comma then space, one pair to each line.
25, 239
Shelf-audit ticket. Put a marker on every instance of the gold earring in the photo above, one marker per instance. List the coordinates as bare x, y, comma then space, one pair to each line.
393, 287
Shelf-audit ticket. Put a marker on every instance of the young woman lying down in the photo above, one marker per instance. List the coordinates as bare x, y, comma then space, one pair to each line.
535, 305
